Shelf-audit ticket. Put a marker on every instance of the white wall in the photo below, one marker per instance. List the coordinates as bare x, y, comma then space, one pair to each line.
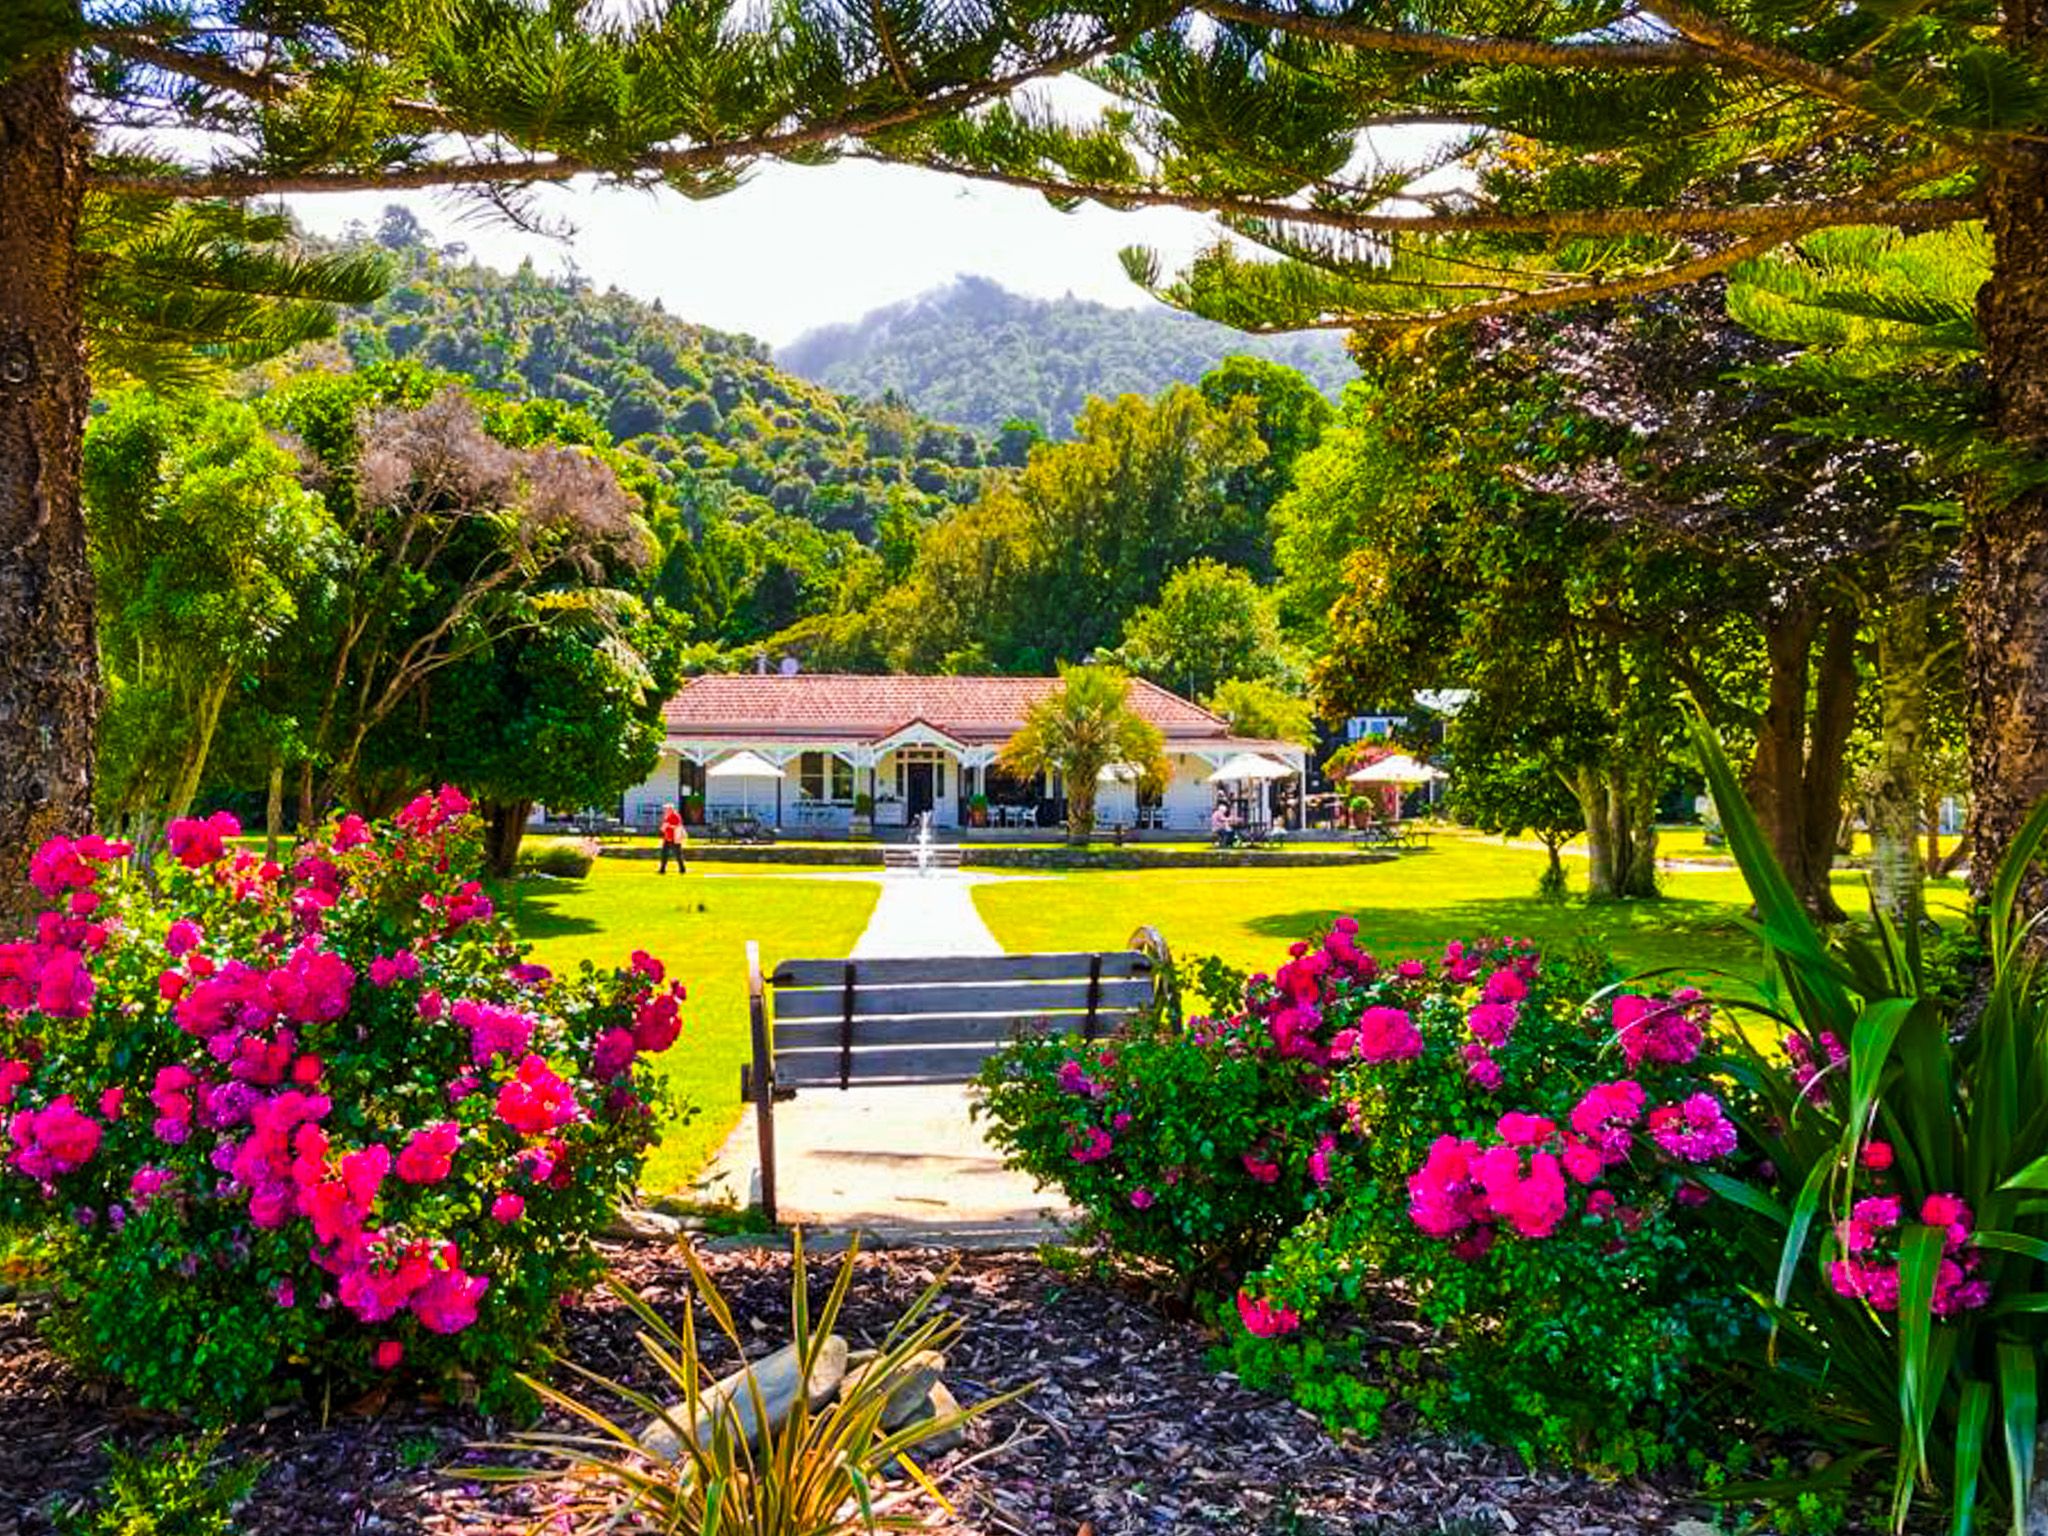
1188, 799
645, 800
750, 795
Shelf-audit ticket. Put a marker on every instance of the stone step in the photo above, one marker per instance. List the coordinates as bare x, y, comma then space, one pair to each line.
907, 856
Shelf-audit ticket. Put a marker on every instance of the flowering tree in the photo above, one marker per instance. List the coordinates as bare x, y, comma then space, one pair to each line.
454, 540
317, 1123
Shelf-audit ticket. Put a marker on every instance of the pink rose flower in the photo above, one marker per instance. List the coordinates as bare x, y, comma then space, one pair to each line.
1263, 1319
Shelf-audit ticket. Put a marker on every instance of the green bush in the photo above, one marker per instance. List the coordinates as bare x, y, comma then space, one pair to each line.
561, 861
1901, 1240
1522, 1167
174, 1489
317, 1127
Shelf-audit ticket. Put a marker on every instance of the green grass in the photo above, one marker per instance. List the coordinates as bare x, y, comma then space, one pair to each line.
1690, 842
699, 926
1460, 887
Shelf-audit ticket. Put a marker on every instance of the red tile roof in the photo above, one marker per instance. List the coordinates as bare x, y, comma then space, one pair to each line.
845, 706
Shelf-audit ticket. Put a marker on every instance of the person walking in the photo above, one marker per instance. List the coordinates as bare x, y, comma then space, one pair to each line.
673, 837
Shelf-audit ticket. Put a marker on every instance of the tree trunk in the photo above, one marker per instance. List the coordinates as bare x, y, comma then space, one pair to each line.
2005, 559
1895, 871
1636, 803
1774, 776
1795, 780
1080, 814
1590, 786
504, 828
273, 810
1827, 749
49, 652
186, 787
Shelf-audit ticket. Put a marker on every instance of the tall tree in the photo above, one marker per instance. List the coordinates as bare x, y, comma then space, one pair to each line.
1809, 533
1289, 414
1212, 623
1051, 562
207, 549
1596, 153
1431, 556
566, 714
455, 542
1263, 710
1886, 327
241, 99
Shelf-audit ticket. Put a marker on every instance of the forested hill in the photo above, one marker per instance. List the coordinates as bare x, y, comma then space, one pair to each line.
976, 355
778, 498
711, 405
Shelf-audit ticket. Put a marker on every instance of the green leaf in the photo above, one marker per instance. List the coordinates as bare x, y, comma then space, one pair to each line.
1919, 1387
1743, 1194
2021, 1416
1797, 1229
2033, 1176
1973, 1420
2012, 1242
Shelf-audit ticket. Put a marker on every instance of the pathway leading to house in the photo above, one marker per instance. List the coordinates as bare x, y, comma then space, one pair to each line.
905, 1163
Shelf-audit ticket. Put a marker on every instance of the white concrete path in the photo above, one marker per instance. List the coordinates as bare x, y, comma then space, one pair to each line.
907, 1163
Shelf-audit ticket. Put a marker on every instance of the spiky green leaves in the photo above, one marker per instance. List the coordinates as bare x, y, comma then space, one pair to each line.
176, 293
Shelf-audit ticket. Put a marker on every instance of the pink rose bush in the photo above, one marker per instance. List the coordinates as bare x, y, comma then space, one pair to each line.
312, 1124
1526, 1165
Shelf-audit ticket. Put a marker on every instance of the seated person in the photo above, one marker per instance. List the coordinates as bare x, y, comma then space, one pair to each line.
1223, 825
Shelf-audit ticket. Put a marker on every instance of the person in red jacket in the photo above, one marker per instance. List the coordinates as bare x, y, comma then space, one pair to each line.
672, 836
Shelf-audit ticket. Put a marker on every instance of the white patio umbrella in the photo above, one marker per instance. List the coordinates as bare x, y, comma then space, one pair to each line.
743, 766
1249, 765
1119, 773
1399, 769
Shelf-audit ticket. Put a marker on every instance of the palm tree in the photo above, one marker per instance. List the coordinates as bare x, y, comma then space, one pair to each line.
1080, 728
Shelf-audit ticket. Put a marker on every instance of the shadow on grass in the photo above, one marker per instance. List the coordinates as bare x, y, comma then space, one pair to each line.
1693, 935
538, 914
1675, 915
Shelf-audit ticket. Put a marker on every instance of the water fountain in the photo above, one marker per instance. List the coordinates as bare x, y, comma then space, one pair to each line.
924, 843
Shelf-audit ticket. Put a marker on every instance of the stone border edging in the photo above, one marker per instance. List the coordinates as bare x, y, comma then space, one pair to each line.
1042, 856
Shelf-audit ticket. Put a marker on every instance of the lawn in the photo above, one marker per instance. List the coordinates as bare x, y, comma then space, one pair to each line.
1458, 888
699, 925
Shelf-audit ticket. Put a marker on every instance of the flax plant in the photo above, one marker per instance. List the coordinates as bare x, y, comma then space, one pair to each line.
820, 1473
1888, 1088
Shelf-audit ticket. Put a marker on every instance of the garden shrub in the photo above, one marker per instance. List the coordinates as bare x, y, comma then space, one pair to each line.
322, 1124
1897, 1224
1521, 1163
561, 861
178, 1488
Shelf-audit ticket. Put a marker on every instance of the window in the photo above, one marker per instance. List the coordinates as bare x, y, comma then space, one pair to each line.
824, 776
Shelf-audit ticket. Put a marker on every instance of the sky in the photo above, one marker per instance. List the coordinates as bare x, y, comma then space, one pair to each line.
795, 248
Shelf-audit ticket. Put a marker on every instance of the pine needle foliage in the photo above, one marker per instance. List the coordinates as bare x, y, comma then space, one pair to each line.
1380, 164
194, 107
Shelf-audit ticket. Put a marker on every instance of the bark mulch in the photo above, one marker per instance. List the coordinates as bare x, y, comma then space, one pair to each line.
1129, 1432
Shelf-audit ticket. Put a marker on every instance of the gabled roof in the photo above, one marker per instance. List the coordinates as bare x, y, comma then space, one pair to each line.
820, 706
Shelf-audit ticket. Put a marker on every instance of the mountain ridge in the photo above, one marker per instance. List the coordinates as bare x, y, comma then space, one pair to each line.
975, 355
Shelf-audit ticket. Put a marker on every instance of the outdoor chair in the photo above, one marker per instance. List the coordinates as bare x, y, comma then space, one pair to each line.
895, 1023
